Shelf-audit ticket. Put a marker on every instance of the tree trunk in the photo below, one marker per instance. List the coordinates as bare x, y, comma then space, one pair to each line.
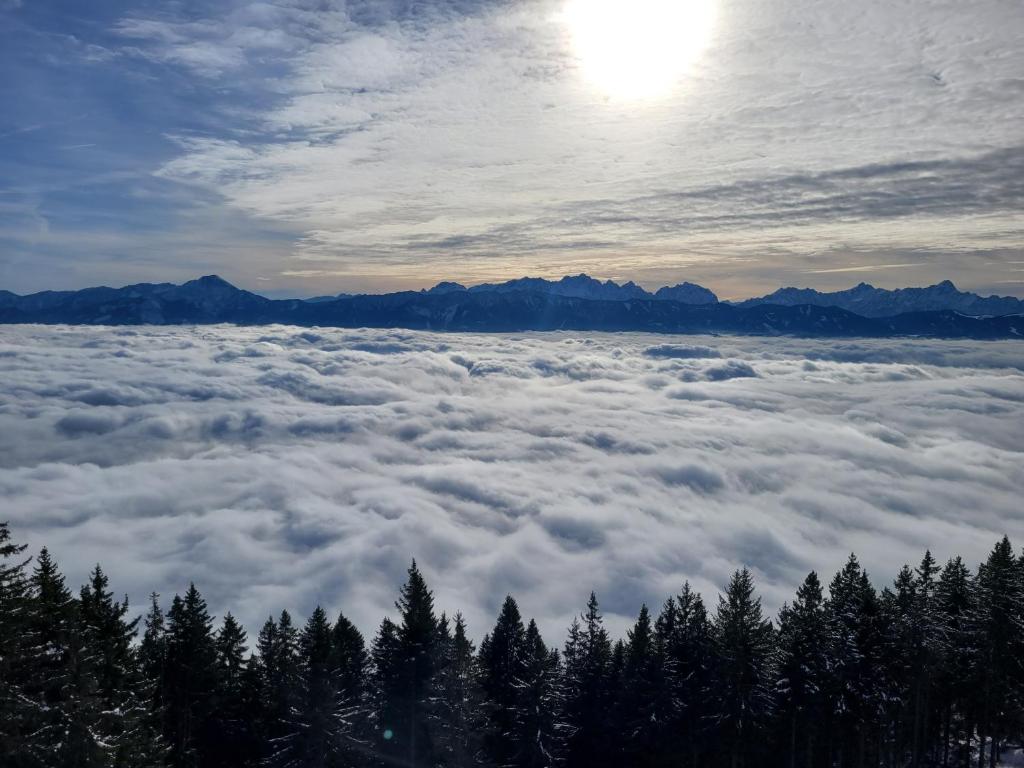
915, 728
947, 716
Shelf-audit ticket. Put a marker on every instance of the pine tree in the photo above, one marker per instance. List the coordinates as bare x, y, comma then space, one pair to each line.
641, 712
190, 682
321, 731
501, 659
927, 657
459, 698
411, 658
253, 714
153, 648
121, 724
17, 709
152, 662
899, 606
588, 658
691, 668
803, 672
997, 623
350, 663
617, 742
745, 650
926, 673
954, 604
386, 685
913, 637
542, 734
307, 737
350, 659
236, 744
280, 677
857, 685
65, 687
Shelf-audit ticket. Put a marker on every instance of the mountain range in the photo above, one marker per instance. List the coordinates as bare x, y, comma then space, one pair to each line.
577, 303
869, 301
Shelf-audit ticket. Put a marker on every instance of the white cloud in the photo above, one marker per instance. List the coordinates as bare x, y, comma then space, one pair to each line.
471, 143
280, 467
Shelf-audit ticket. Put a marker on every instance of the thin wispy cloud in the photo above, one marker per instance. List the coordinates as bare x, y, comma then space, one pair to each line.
858, 268
403, 142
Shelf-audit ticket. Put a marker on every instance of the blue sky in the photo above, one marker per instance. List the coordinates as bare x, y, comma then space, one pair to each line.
303, 147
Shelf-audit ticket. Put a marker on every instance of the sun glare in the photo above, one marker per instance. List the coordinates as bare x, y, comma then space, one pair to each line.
638, 49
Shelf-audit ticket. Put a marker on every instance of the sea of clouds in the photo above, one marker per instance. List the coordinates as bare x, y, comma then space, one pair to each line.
281, 467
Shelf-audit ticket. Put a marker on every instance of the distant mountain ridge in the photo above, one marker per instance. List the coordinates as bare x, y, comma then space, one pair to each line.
586, 287
869, 301
204, 300
532, 304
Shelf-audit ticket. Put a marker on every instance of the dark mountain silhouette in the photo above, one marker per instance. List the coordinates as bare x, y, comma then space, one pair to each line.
585, 287
869, 301
575, 286
688, 293
450, 307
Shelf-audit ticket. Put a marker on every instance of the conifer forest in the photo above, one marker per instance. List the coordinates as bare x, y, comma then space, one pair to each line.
927, 671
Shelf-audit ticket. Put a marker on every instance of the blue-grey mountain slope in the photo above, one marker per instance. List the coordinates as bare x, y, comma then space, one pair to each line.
213, 300
869, 301
585, 287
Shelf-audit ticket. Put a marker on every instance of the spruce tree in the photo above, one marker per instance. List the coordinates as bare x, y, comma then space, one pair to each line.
350, 663
459, 699
122, 723
954, 604
685, 631
153, 648
929, 672
541, 731
641, 693
588, 659
997, 621
253, 713
857, 685
913, 638
803, 673
407, 668
152, 661
18, 711
745, 654
308, 737
278, 645
928, 649
501, 658
899, 606
386, 686
350, 660
65, 688
236, 744
190, 682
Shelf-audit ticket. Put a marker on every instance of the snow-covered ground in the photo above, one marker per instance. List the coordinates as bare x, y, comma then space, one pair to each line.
281, 467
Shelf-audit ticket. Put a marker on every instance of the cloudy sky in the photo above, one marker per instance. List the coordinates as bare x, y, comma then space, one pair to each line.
280, 467
308, 146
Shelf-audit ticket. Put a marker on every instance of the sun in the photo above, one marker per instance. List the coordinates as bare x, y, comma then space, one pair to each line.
638, 49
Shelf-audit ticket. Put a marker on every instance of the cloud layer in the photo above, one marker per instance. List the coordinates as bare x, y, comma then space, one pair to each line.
282, 467
374, 145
